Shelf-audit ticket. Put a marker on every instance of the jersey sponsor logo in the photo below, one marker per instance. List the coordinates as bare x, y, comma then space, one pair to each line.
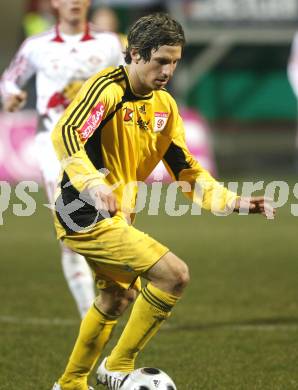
92, 122
160, 120
128, 114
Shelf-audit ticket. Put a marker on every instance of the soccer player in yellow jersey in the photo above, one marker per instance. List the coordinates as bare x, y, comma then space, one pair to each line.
117, 129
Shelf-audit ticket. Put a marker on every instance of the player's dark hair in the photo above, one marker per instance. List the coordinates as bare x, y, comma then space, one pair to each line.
151, 32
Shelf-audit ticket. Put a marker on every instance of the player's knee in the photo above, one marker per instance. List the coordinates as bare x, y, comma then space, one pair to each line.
180, 277
131, 296
125, 300
177, 275
122, 302
170, 274
114, 302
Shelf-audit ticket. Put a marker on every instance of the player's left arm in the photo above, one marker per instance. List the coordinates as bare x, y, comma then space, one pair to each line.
203, 188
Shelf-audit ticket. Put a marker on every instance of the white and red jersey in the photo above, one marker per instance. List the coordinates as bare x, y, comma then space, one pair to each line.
61, 64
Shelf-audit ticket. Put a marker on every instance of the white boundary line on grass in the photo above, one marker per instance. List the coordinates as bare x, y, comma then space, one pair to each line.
39, 321
201, 327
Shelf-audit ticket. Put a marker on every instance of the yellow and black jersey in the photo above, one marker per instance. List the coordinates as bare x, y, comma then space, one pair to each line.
108, 127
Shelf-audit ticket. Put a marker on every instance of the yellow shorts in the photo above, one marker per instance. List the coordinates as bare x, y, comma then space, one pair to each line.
116, 252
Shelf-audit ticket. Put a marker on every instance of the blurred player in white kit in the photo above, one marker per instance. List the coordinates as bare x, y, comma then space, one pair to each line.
293, 79
62, 58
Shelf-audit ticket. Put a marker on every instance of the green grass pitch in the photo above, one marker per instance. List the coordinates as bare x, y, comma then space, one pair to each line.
236, 327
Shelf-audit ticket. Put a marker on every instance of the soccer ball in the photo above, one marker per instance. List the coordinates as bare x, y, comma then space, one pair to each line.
148, 378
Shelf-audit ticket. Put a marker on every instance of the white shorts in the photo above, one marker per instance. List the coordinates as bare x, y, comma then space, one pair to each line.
48, 162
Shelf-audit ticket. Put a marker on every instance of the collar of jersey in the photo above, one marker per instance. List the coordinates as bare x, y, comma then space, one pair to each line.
130, 92
86, 36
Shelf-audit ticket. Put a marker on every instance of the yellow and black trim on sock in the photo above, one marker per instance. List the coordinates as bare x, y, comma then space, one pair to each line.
159, 299
155, 301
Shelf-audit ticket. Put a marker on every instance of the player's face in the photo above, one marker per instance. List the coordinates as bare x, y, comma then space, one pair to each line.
71, 11
155, 74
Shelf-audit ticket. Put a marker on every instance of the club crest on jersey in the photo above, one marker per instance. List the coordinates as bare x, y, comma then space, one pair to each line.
128, 114
92, 122
160, 120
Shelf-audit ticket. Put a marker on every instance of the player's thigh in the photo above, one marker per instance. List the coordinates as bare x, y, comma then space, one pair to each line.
116, 251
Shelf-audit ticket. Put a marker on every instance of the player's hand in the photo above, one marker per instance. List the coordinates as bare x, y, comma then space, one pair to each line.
15, 102
104, 200
256, 205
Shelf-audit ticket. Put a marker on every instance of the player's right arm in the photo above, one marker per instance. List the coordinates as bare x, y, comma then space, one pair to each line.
79, 124
15, 77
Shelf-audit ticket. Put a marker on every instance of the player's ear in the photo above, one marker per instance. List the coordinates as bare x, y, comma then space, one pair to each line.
135, 56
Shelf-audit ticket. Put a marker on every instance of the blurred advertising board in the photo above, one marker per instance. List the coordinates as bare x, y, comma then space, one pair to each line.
17, 157
17, 146
240, 11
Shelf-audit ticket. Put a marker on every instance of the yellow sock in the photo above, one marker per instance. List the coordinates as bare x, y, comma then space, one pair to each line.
150, 310
95, 332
